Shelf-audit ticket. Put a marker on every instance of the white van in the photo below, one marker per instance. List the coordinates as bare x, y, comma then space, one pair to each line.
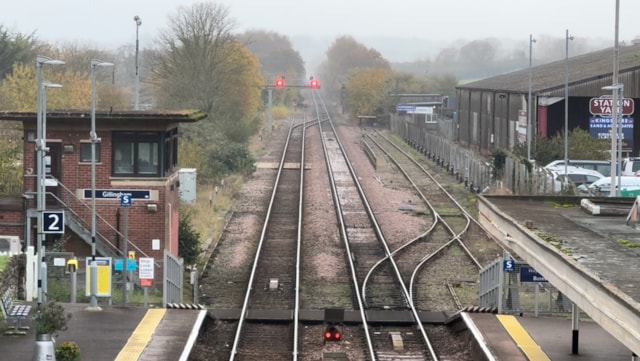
602, 166
603, 186
577, 177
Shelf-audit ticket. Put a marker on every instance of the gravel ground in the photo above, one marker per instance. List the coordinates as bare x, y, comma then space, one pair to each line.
388, 194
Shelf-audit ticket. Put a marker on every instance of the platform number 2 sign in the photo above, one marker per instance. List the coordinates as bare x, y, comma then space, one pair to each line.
53, 221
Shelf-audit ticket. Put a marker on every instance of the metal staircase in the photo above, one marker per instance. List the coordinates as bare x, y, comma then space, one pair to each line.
78, 220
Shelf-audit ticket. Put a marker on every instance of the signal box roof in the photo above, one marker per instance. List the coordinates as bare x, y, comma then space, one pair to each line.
128, 119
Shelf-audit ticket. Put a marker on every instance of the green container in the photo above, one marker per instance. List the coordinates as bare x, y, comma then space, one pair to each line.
630, 192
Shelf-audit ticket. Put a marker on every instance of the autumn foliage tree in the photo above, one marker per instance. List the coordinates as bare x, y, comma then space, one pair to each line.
344, 56
202, 65
19, 90
366, 90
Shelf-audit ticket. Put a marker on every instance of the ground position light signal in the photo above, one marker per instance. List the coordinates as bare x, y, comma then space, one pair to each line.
332, 334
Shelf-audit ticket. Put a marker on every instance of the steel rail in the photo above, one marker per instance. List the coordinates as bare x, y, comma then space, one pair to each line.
245, 305
319, 104
384, 243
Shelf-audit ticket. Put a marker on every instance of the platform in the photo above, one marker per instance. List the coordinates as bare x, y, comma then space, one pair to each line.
104, 335
545, 338
586, 257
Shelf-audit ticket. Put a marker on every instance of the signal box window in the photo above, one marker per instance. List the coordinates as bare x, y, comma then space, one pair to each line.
136, 154
85, 152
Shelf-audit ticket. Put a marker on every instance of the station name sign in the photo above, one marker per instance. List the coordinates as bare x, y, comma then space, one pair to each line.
528, 274
118, 193
603, 106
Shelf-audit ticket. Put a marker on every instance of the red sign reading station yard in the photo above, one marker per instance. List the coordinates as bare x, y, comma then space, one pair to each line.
604, 106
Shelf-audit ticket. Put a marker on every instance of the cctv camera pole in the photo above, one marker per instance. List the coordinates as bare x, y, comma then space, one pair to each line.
137, 99
125, 252
270, 112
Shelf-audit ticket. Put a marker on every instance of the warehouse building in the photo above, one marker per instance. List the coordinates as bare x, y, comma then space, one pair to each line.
492, 113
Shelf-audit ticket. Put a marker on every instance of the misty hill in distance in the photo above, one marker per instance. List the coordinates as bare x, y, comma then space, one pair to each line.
466, 59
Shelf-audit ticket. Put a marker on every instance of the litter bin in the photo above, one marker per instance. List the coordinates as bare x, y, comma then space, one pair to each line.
45, 350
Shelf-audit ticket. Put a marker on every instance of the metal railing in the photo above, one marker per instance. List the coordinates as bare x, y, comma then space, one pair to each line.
78, 212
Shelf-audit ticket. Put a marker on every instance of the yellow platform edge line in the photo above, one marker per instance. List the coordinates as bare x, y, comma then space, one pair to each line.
525, 342
141, 336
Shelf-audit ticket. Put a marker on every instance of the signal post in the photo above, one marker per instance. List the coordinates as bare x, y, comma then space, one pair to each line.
281, 83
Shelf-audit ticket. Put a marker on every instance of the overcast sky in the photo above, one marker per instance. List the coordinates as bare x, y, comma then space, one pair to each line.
110, 23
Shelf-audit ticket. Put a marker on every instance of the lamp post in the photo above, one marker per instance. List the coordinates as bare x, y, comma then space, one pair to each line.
615, 88
566, 105
43, 263
93, 302
531, 41
137, 91
41, 148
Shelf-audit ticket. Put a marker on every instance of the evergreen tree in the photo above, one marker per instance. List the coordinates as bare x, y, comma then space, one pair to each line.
189, 240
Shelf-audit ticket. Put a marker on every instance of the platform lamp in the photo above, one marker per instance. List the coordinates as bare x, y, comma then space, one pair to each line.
41, 148
616, 139
43, 263
93, 302
617, 89
531, 41
566, 105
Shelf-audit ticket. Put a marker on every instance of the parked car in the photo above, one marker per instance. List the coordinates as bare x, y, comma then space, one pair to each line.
575, 177
602, 166
602, 187
630, 166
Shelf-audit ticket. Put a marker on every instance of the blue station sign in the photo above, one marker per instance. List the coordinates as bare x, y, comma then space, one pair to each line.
406, 108
118, 193
529, 274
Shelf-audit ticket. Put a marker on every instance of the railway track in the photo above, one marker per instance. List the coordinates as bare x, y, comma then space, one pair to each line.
440, 266
368, 253
276, 267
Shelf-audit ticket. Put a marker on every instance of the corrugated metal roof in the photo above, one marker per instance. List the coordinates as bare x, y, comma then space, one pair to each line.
582, 68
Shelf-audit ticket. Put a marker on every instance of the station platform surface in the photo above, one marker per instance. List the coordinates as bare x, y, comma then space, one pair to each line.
115, 333
546, 338
598, 264
554, 336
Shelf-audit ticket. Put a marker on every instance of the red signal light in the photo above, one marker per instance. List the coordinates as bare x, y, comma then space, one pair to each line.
280, 83
332, 334
315, 84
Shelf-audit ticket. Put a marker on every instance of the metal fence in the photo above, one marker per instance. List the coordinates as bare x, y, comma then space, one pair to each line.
437, 141
513, 287
173, 277
469, 167
59, 281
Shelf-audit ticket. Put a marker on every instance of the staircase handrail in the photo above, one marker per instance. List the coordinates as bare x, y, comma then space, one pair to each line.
103, 238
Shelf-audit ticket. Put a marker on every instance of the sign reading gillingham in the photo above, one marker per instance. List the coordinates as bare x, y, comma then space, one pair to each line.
118, 193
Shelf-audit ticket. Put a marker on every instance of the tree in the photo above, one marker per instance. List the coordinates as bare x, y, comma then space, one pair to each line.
275, 52
366, 90
200, 59
278, 58
581, 146
19, 90
201, 65
15, 48
188, 239
345, 55
11, 172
